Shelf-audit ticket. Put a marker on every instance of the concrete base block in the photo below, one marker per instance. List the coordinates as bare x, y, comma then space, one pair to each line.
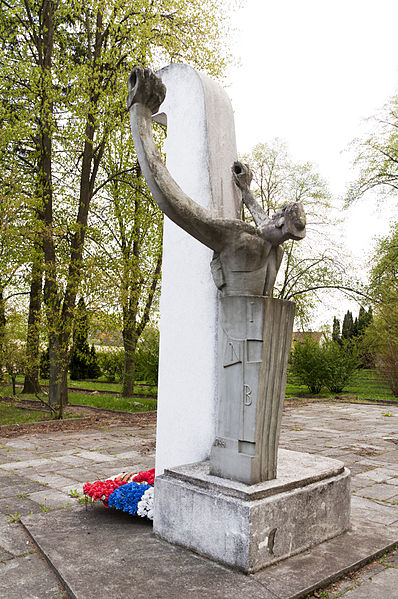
249, 527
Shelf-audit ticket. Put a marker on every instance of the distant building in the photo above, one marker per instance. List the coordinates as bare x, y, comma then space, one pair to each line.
300, 336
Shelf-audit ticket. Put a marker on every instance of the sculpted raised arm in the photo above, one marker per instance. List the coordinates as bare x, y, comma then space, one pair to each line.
146, 93
288, 222
243, 178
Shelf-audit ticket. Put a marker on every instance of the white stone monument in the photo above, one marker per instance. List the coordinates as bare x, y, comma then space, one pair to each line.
200, 149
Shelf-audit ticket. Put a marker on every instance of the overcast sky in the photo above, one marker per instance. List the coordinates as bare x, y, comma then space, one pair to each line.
311, 71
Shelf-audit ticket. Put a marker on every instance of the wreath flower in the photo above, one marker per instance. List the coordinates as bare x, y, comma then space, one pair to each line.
127, 491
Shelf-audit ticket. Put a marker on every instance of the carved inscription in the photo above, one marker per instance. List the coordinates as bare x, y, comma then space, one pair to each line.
232, 353
247, 395
220, 442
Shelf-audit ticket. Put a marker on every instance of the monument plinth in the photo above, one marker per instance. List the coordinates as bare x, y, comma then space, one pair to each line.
249, 527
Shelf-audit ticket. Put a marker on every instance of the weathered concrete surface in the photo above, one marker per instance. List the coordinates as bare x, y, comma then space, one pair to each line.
362, 436
110, 554
249, 528
296, 469
36, 473
38, 581
298, 576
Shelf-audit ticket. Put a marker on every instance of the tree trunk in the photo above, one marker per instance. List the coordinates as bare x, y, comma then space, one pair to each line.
31, 383
58, 383
2, 331
130, 344
14, 390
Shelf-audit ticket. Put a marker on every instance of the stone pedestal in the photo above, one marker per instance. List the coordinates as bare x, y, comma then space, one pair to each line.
249, 527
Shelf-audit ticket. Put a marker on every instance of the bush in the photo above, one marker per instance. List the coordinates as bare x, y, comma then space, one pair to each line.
147, 357
111, 364
308, 364
341, 360
329, 365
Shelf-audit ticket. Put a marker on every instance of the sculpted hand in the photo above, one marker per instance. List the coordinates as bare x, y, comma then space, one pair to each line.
145, 88
242, 175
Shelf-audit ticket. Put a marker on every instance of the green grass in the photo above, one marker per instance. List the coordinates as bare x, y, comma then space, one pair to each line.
102, 386
113, 402
9, 414
109, 402
365, 384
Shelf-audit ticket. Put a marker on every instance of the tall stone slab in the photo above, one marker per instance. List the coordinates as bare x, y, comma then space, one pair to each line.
254, 345
200, 150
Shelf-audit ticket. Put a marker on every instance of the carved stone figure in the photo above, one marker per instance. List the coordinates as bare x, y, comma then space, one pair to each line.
255, 329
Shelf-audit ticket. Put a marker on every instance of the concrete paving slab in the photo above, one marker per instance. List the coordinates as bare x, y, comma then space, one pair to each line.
49, 498
80, 474
18, 505
17, 485
55, 481
14, 539
95, 456
151, 567
108, 554
5, 556
374, 512
378, 475
74, 460
28, 578
13, 466
383, 585
380, 492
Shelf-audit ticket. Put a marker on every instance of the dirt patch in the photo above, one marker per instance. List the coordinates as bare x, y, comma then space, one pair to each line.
89, 418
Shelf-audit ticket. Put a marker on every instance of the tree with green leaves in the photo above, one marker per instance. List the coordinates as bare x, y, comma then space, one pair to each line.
376, 155
336, 331
66, 65
316, 263
329, 364
347, 330
126, 244
382, 332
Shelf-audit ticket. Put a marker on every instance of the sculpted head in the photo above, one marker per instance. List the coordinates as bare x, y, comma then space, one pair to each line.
291, 219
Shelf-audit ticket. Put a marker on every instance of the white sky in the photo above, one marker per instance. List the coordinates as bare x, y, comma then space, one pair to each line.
311, 71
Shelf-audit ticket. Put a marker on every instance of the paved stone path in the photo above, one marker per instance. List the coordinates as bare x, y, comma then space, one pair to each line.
38, 471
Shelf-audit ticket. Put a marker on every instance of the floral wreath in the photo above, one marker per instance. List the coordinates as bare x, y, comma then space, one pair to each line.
129, 492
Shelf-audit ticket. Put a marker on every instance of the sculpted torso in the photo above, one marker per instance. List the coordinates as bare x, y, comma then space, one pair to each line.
246, 257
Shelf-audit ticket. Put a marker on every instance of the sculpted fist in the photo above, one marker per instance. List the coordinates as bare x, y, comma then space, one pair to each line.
145, 88
242, 175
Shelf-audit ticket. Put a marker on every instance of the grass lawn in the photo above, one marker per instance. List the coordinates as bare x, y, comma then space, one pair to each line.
95, 399
113, 402
365, 384
103, 386
10, 414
